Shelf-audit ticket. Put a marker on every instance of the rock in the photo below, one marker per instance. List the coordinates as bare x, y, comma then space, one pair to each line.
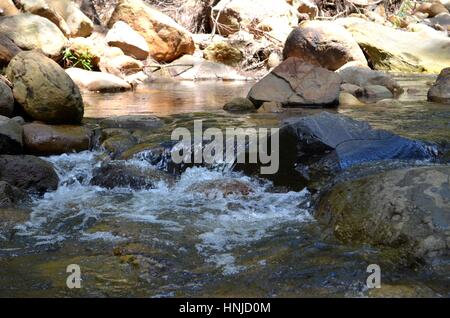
192, 68
10, 136
35, 32
432, 9
8, 49
362, 76
118, 144
28, 173
296, 83
314, 148
44, 90
275, 17
306, 6
128, 40
121, 66
141, 122
442, 20
6, 100
45, 140
271, 107
120, 174
223, 52
350, 88
390, 49
79, 24
388, 103
87, 47
440, 91
349, 100
8, 8
221, 187
239, 105
402, 291
10, 218
446, 3
166, 39
373, 93
97, 81
405, 209
11, 197
323, 43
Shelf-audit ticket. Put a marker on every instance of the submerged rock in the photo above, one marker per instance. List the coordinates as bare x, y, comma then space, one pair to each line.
239, 105
120, 174
323, 43
440, 91
223, 187
296, 83
28, 173
40, 139
11, 197
35, 32
406, 209
11, 134
142, 122
44, 90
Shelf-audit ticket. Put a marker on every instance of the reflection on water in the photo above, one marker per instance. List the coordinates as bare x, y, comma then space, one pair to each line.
165, 98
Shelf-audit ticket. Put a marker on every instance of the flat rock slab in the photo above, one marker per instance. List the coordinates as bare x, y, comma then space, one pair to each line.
132, 122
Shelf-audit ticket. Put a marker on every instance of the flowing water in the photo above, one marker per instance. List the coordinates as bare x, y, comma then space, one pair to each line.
174, 240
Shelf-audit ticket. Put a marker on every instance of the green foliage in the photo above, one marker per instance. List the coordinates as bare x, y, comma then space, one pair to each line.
81, 60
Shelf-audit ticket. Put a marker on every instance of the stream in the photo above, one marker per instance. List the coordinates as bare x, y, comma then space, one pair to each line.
172, 241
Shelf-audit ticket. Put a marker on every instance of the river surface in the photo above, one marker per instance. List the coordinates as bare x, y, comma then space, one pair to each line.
171, 241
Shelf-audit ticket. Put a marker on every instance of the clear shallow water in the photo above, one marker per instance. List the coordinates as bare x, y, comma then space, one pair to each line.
171, 241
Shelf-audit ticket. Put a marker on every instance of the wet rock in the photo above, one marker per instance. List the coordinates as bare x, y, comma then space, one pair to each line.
239, 105
390, 49
44, 140
350, 88
276, 18
363, 76
35, 32
97, 81
223, 52
323, 43
11, 196
6, 100
116, 145
44, 90
9, 219
10, 136
8, 49
8, 8
120, 174
193, 68
142, 122
223, 187
372, 93
388, 103
405, 209
28, 173
128, 40
440, 91
166, 39
296, 83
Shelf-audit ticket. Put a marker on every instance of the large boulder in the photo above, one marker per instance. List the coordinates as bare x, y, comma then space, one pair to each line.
323, 43
44, 90
30, 32
44, 140
166, 39
65, 14
28, 173
396, 50
440, 91
10, 136
6, 100
97, 81
8, 8
297, 83
406, 209
128, 40
257, 17
122, 174
8, 49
